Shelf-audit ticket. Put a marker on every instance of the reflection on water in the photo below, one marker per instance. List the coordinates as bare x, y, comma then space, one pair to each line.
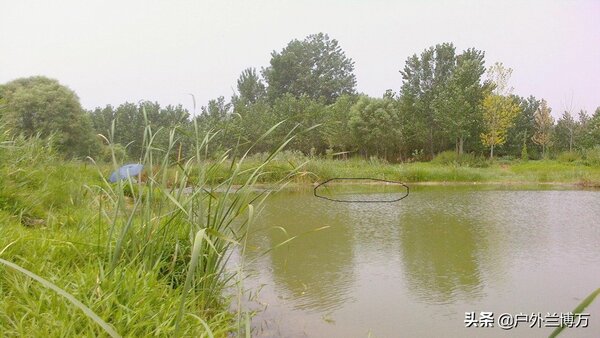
315, 269
440, 254
413, 268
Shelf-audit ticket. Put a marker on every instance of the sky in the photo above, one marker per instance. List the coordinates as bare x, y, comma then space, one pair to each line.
110, 52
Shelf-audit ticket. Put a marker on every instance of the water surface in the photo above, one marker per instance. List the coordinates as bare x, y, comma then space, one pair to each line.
413, 268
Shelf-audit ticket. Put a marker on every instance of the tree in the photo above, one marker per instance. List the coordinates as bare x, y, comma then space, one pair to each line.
216, 117
42, 106
499, 109
250, 87
129, 123
593, 129
336, 129
457, 106
499, 112
584, 131
499, 76
375, 126
544, 123
316, 67
518, 138
424, 77
305, 117
566, 128
250, 121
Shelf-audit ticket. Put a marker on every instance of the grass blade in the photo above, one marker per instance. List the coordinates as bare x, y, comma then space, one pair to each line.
579, 309
88, 312
190, 275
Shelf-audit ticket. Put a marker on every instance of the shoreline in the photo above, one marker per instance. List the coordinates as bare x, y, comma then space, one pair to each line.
301, 185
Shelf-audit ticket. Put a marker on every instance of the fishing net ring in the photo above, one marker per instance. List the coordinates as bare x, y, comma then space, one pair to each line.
322, 184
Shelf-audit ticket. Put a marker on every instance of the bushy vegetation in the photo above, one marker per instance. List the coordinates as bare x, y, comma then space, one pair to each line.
81, 256
592, 156
39, 106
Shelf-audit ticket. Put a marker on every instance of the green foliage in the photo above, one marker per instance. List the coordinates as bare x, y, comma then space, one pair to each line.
592, 156
145, 258
452, 158
375, 122
250, 88
568, 156
499, 108
446, 157
524, 153
544, 127
42, 106
34, 182
499, 114
107, 152
336, 127
458, 105
126, 124
522, 129
315, 67
565, 132
424, 77
304, 116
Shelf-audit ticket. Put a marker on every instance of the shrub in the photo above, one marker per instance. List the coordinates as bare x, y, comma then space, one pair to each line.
592, 156
466, 160
119, 150
568, 156
445, 157
524, 153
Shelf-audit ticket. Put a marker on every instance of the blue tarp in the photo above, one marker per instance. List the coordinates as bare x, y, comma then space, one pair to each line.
126, 171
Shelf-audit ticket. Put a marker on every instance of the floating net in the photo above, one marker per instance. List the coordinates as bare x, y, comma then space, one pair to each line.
361, 190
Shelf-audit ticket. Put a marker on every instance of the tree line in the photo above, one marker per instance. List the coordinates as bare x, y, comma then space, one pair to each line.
448, 100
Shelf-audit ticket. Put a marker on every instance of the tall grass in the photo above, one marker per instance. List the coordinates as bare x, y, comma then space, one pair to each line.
178, 223
147, 256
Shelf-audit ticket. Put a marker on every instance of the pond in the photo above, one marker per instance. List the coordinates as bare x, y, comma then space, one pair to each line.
415, 267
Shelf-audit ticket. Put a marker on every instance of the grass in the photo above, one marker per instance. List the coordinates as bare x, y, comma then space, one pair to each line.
578, 310
80, 256
511, 172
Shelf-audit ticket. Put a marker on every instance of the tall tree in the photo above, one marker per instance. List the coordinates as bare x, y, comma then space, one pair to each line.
499, 76
544, 123
302, 115
375, 126
593, 129
518, 138
336, 129
583, 132
565, 130
39, 105
215, 118
499, 113
250, 121
316, 67
424, 77
457, 106
499, 109
250, 87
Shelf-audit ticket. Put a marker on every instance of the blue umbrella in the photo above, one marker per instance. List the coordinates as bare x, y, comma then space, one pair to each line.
125, 172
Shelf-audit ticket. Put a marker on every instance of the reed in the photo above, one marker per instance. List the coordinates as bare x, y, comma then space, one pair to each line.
140, 257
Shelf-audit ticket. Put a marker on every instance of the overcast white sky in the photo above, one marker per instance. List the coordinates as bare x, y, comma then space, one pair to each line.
110, 52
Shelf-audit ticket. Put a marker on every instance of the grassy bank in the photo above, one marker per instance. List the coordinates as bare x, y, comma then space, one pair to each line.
80, 256
507, 172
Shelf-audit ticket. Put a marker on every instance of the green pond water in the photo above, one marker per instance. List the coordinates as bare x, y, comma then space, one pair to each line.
414, 267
